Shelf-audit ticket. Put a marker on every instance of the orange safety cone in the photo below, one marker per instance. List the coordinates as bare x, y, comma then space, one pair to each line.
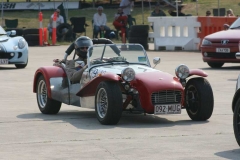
54, 31
40, 16
45, 36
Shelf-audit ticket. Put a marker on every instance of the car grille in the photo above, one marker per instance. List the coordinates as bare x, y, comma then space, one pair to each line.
221, 55
6, 55
166, 97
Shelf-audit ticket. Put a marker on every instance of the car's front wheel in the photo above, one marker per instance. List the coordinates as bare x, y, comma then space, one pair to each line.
45, 104
108, 103
215, 65
199, 99
21, 65
236, 121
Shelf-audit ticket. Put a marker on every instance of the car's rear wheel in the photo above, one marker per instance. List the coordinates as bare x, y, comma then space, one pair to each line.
21, 65
108, 103
199, 99
45, 104
236, 121
215, 65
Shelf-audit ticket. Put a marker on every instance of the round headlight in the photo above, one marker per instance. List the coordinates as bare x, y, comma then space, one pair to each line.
128, 74
21, 43
182, 71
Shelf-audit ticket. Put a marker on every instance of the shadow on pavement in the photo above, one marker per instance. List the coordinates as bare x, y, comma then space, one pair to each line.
8, 68
230, 154
227, 68
87, 120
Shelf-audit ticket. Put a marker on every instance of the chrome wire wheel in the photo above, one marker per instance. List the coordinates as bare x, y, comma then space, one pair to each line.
192, 99
42, 94
102, 103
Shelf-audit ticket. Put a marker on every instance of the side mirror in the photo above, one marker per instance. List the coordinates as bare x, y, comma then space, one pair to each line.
13, 32
156, 61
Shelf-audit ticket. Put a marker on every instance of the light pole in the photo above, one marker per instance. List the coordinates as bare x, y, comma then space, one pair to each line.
197, 7
2, 12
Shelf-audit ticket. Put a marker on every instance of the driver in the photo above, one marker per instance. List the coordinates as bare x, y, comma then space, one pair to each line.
80, 45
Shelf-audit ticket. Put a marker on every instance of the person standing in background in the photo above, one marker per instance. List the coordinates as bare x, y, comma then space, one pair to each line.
157, 11
230, 13
127, 5
120, 21
208, 13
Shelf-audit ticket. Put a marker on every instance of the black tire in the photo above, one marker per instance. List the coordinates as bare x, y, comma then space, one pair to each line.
33, 43
215, 65
139, 28
141, 40
30, 31
108, 94
21, 65
62, 26
236, 121
199, 99
31, 37
45, 104
137, 34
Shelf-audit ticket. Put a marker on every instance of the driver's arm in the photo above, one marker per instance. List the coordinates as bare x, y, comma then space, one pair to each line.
69, 51
76, 77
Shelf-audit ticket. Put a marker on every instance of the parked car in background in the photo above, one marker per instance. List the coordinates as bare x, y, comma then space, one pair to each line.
120, 78
13, 50
220, 47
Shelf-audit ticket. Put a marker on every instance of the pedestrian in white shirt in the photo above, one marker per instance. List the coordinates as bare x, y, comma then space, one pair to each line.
99, 22
59, 21
127, 5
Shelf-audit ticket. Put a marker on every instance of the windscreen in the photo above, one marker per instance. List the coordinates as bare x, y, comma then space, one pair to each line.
236, 24
117, 53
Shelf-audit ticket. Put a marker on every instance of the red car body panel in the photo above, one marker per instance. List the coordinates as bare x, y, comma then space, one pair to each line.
149, 82
197, 72
48, 72
233, 37
90, 88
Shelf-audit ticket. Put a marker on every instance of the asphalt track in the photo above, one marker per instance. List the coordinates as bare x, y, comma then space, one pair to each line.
75, 133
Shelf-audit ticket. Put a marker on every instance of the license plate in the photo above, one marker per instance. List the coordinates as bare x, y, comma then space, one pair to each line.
3, 61
168, 109
223, 50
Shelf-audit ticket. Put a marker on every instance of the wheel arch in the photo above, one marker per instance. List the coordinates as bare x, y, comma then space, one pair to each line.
90, 88
197, 72
47, 73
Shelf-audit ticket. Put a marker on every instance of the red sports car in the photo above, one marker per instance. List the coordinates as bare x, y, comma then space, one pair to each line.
120, 78
220, 47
